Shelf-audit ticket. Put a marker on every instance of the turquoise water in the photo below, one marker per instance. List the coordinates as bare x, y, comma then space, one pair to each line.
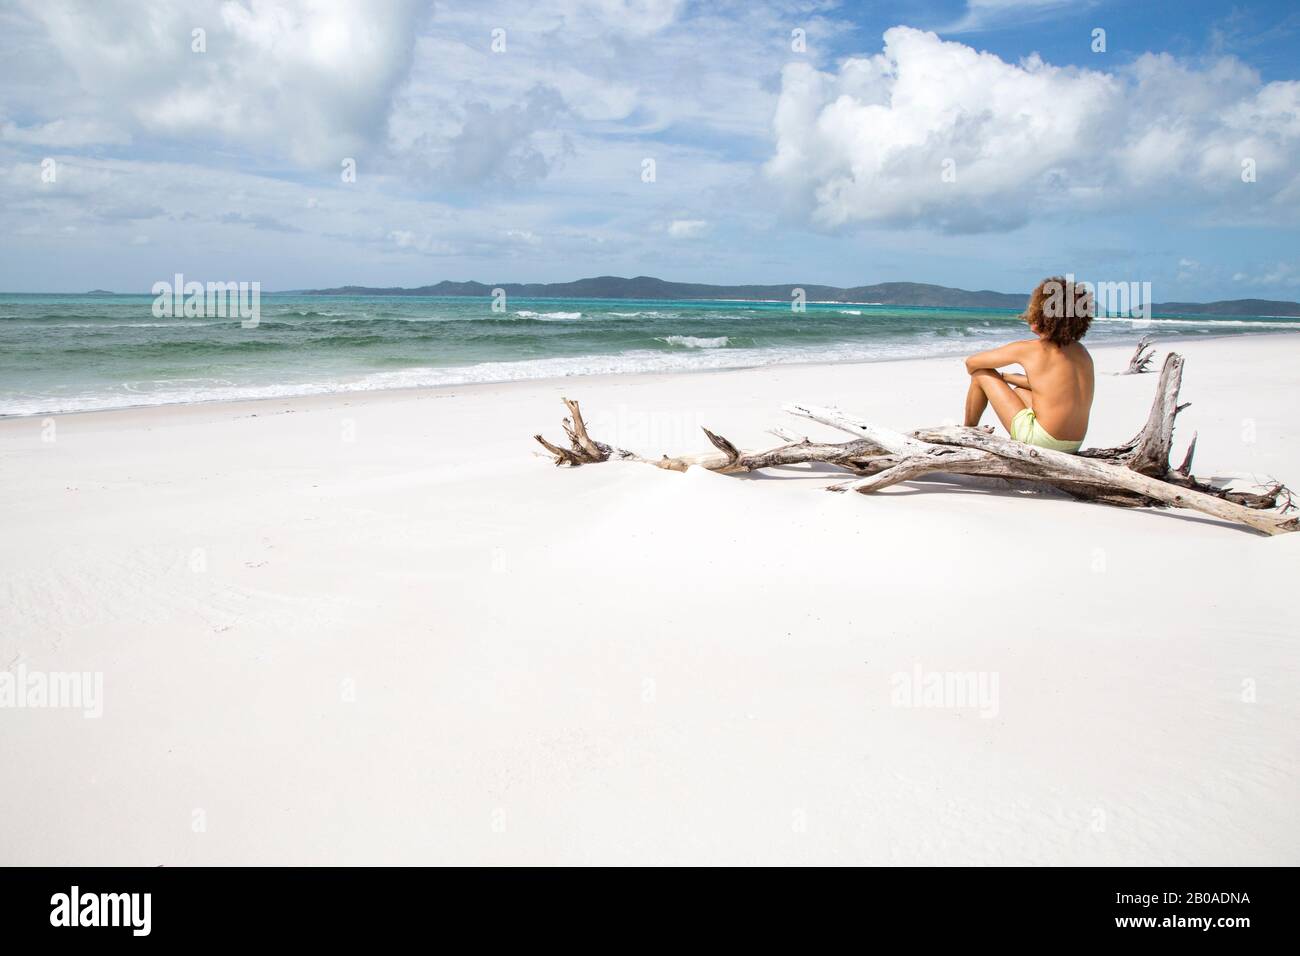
62, 353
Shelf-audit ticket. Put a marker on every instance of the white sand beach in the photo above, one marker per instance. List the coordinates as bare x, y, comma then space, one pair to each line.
381, 628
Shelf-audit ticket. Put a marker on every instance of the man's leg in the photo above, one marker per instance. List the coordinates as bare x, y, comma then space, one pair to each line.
976, 402
988, 388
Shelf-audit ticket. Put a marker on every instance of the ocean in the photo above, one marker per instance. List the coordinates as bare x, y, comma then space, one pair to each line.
66, 353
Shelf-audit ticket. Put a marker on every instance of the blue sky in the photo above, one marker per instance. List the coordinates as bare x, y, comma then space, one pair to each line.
981, 144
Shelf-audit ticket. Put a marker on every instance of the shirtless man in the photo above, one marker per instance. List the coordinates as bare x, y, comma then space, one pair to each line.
1048, 405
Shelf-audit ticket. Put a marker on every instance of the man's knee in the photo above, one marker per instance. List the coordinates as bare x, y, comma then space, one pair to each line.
985, 374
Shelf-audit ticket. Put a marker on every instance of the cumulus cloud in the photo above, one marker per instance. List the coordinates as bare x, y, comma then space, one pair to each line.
498, 146
687, 228
422, 101
634, 17
311, 79
623, 67
934, 133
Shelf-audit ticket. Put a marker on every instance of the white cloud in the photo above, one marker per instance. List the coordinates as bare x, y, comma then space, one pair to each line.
981, 14
422, 100
64, 133
427, 244
615, 68
631, 17
687, 228
311, 79
508, 146
932, 132
1278, 275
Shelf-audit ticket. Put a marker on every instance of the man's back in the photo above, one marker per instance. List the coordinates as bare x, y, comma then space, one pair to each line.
1061, 378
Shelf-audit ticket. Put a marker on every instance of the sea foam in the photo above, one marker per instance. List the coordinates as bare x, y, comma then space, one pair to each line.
694, 342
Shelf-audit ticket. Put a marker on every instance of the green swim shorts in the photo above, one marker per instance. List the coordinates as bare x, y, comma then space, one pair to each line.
1025, 428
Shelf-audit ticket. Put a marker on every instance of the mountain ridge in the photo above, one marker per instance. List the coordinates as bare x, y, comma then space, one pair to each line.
917, 294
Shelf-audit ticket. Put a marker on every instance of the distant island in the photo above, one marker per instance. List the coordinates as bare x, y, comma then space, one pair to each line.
100, 292
884, 293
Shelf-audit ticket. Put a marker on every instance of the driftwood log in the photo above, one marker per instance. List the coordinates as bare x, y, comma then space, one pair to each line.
1142, 356
1135, 474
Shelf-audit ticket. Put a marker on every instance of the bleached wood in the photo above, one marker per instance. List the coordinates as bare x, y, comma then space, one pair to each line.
731, 460
578, 433
886, 438
1142, 356
1132, 475
1155, 442
1061, 466
851, 455
953, 462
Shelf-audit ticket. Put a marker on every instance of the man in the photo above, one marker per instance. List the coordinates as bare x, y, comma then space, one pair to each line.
1048, 405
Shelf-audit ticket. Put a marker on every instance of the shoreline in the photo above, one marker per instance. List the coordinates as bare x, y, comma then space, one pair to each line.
349, 395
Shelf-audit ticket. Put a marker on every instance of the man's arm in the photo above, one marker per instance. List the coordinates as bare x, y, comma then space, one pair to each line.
1013, 353
1016, 379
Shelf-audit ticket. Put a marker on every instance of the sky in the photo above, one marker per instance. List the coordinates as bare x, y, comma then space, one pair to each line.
982, 144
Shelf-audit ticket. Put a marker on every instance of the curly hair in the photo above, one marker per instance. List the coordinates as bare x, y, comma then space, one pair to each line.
1060, 310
